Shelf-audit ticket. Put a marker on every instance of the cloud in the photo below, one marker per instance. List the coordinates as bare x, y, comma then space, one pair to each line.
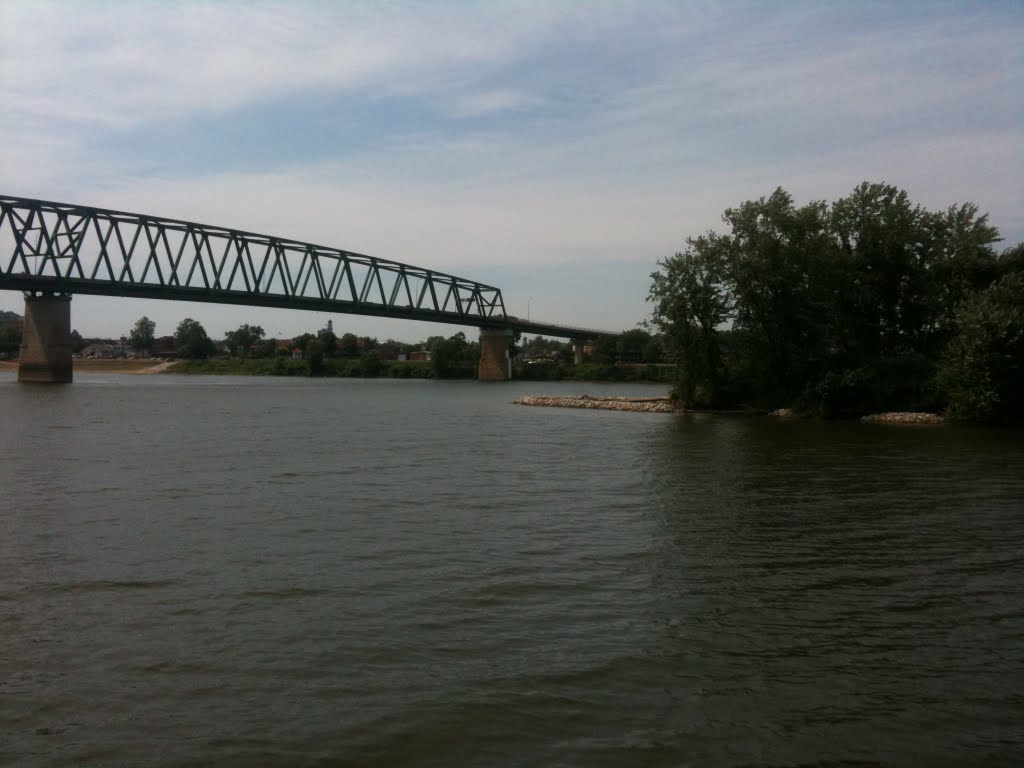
508, 140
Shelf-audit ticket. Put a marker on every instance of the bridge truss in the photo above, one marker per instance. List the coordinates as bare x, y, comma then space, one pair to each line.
48, 247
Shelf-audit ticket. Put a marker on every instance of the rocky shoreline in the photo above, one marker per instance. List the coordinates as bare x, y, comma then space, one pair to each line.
668, 405
891, 417
641, 404
903, 418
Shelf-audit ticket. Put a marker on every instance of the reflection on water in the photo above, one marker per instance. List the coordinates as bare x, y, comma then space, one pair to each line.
276, 572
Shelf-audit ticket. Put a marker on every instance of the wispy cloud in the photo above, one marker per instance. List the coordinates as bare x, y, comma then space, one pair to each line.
495, 137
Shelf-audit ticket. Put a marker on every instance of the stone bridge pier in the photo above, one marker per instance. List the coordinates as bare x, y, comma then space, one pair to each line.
495, 358
46, 340
577, 351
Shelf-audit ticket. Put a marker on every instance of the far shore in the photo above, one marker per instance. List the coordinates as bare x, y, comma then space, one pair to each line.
119, 365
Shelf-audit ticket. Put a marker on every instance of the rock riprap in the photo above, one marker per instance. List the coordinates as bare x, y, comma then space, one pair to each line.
641, 404
903, 418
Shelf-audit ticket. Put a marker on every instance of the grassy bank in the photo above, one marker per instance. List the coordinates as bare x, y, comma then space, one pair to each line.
337, 367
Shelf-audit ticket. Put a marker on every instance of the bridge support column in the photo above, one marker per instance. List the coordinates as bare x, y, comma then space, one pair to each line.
577, 351
46, 340
495, 361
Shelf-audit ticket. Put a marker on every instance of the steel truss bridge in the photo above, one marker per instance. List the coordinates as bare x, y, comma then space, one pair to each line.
61, 248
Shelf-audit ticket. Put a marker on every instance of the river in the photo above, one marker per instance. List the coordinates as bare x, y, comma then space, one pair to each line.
279, 572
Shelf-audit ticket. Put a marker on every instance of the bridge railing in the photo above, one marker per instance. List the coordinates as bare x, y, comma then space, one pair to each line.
48, 246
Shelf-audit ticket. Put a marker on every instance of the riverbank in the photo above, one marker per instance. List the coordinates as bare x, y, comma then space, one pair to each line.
120, 365
338, 367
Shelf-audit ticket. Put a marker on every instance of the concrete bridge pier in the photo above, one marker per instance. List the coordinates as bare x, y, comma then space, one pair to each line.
46, 340
577, 351
495, 360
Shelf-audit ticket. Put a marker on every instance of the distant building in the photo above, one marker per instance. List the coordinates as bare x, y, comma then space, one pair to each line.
101, 350
164, 346
419, 357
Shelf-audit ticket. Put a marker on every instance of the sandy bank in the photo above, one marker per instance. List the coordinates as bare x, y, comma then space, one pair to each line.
82, 365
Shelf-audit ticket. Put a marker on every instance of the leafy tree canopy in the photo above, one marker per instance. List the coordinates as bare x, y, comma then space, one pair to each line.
240, 342
142, 335
836, 308
191, 341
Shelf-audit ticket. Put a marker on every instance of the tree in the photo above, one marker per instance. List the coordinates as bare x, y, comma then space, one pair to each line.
328, 341
191, 341
690, 303
370, 365
632, 344
265, 348
77, 342
10, 338
838, 309
606, 350
391, 349
142, 335
241, 342
302, 341
314, 355
1011, 260
348, 345
446, 355
653, 351
774, 267
982, 371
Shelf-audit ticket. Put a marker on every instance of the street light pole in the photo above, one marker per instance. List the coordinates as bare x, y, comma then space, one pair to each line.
528, 302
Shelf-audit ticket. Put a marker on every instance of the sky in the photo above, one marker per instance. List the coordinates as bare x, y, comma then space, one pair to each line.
556, 150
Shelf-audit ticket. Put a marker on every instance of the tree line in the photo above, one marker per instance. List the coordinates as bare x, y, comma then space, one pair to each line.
449, 356
865, 304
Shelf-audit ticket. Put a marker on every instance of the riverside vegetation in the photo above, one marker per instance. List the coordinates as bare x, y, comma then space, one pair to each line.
867, 304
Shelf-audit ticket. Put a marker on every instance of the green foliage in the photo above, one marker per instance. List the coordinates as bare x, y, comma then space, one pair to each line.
142, 335
452, 357
1011, 260
539, 346
837, 309
10, 338
240, 343
605, 350
982, 371
371, 364
191, 341
328, 342
284, 366
690, 305
314, 357
348, 345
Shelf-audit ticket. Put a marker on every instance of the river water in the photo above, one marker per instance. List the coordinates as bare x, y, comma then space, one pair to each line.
280, 572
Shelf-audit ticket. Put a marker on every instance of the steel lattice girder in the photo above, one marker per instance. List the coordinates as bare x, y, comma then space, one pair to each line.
64, 248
